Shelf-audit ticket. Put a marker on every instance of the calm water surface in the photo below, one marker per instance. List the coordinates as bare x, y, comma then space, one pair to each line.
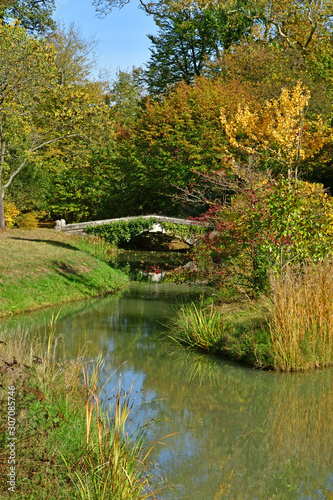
237, 433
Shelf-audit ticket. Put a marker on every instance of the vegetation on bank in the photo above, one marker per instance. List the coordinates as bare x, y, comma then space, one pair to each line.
42, 267
289, 330
67, 443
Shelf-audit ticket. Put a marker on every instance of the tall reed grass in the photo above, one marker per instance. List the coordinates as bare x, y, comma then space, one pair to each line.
113, 466
70, 445
301, 321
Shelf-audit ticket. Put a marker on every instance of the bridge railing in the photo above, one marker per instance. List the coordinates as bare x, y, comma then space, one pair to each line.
81, 226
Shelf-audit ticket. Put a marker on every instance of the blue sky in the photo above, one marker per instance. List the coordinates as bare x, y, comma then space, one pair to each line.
121, 35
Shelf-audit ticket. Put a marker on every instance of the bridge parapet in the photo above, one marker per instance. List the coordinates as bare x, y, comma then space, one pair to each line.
81, 226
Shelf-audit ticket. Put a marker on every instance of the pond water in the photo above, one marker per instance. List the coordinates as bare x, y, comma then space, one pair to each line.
235, 433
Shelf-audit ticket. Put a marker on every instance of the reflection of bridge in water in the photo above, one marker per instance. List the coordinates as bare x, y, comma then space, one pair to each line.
156, 227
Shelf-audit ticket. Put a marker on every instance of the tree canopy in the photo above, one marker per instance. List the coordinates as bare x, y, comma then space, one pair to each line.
36, 112
187, 43
34, 15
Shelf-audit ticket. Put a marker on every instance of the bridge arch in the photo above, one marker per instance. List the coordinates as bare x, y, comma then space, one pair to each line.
157, 225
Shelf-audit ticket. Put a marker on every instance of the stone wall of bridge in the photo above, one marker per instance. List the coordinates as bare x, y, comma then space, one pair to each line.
80, 227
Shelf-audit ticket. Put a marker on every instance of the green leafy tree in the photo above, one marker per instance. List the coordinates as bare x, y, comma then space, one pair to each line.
82, 185
187, 42
125, 94
74, 54
36, 113
34, 15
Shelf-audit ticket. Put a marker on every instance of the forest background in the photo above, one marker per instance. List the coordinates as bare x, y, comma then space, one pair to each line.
234, 87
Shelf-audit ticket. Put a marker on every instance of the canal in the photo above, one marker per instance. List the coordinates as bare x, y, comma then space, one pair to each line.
234, 432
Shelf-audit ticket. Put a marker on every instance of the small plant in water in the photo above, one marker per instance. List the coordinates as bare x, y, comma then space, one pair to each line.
200, 328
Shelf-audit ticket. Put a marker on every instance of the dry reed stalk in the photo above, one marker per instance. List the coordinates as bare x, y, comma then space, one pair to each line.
91, 388
301, 324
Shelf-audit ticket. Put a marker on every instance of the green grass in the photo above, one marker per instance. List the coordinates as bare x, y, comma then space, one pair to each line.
290, 330
237, 331
68, 444
41, 268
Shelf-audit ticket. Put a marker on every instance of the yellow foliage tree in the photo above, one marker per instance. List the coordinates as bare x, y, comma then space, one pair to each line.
279, 132
11, 213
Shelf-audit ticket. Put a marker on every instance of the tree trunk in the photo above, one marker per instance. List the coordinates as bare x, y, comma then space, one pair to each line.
2, 162
2, 213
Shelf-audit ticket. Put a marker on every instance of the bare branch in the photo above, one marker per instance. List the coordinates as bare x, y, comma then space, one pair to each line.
13, 174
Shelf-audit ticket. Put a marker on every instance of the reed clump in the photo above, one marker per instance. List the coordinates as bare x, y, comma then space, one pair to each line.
69, 445
113, 466
218, 332
197, 327
301, 320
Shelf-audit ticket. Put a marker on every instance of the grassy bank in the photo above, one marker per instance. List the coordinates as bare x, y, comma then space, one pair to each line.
237, 331
67, 445
290, 330
40, 268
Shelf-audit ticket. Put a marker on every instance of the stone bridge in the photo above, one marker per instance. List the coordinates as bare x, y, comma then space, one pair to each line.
157, 227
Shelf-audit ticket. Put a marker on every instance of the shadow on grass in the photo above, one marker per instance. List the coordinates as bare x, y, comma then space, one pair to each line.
72, 275
50, 242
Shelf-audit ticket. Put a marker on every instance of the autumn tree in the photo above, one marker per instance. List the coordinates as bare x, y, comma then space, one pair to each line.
300, 25
170, 139
36, 113
279, 135
290, 41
